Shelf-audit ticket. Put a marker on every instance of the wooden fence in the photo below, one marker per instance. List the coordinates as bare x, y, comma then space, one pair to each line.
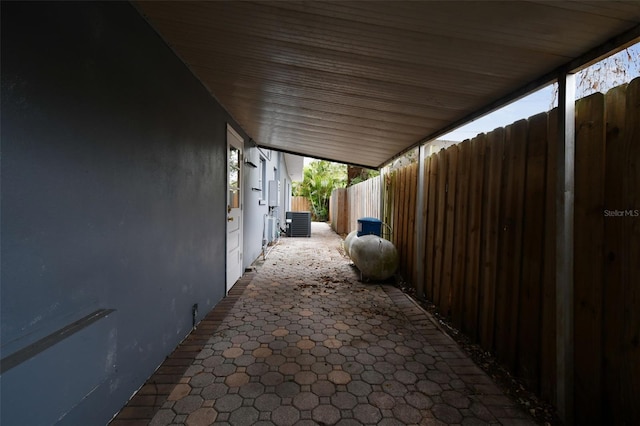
400, 214
355, 202
300, 204
489, 248
339, 211
363, 201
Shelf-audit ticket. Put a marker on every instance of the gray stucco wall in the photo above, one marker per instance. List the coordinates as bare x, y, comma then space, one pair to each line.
113, 197
254, 212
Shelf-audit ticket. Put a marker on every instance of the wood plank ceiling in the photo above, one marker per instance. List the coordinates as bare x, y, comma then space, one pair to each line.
360, 82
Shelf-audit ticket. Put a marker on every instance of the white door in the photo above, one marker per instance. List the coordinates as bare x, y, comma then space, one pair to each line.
234, 207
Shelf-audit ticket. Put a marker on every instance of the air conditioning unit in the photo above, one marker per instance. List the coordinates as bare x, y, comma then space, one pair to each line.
298, 224
271, 229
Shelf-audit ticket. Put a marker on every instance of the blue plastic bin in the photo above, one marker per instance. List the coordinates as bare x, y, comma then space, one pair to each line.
369, 226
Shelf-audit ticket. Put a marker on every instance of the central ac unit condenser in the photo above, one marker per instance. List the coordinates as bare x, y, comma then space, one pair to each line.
298, 224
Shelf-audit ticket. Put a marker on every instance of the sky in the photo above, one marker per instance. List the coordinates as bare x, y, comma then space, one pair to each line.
532, 104
543, 99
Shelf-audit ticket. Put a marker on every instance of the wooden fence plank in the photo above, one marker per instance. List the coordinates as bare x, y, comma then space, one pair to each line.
395, 203
505, 260
351, 201
528, 325
588, 243
440, 227
374, 198
389, 207
614, 236
402, 221
626, 256
398, 216
407, 224
495, 145
630, 366
333, 209
404, 188
449, 237
461, 223
344, 213
356, 208
338, 210
369, 205
398, 213
432, 210
548, 321
510, 242
411, 225
473, 276
422, 263
395, 190
300, 204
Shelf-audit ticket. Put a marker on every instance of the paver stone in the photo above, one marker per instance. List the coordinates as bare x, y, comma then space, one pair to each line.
327, 414
306, 401
344, 400
188, 404
339, 377
267, 402
202, 417
367, 414
228, 403
180, 391
285, 416
244, 416
407, 414
446, 413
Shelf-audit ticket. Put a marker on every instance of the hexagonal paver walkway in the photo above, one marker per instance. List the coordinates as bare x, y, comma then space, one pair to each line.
306, 343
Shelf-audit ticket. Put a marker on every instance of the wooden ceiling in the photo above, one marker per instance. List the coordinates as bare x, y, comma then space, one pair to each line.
362, 81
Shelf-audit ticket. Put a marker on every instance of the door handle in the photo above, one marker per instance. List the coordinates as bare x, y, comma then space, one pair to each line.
230, 219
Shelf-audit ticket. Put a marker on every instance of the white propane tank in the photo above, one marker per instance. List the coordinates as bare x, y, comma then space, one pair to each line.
347, 242
374, 256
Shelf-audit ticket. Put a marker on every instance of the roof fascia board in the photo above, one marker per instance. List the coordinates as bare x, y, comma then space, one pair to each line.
608, 48
315, 157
